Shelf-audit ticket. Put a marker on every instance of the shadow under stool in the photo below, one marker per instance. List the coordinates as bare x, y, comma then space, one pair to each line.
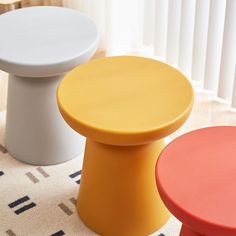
38, 45
196, 178
125, 106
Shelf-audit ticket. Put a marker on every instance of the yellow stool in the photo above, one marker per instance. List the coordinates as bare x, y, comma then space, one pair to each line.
125, 106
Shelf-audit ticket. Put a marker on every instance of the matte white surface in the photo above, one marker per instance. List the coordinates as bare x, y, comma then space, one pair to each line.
35, 130
45, 41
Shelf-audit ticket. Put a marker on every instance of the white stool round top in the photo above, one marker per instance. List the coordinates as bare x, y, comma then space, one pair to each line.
45, 41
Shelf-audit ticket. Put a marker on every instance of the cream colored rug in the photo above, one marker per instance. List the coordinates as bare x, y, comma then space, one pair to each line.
40, 201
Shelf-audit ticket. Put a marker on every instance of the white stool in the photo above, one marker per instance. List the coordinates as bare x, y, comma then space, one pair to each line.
37, 46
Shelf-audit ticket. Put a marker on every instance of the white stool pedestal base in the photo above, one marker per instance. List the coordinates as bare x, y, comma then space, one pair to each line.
35, 130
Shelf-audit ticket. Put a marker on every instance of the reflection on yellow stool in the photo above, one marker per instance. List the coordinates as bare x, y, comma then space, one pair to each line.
125, 106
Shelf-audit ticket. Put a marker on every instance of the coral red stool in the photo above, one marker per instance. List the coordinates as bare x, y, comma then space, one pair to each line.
196, 178
125, 106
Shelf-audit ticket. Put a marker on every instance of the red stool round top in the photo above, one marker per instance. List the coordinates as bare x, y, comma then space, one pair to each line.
196, 178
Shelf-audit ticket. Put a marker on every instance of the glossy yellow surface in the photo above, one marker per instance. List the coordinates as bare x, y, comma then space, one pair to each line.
125, 100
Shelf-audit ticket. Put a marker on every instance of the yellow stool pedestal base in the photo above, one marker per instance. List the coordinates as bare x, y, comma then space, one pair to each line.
123, 105
118, 194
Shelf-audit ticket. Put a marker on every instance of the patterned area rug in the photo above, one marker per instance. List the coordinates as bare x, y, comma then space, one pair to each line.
40, 201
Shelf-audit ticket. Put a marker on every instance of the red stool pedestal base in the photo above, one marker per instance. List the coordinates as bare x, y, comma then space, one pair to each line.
185, 231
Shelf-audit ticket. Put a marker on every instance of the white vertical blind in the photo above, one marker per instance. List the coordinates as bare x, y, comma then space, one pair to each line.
148, 22
200, 39
160, 33
196, 36
97, 11
234, 91
214, 44
173, 32
124, 32
228, 58
186, 36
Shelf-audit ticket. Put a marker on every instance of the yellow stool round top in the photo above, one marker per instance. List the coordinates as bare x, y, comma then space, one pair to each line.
125, 100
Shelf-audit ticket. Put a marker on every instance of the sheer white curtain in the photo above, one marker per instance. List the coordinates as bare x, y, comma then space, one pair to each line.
196, 36
119, 22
